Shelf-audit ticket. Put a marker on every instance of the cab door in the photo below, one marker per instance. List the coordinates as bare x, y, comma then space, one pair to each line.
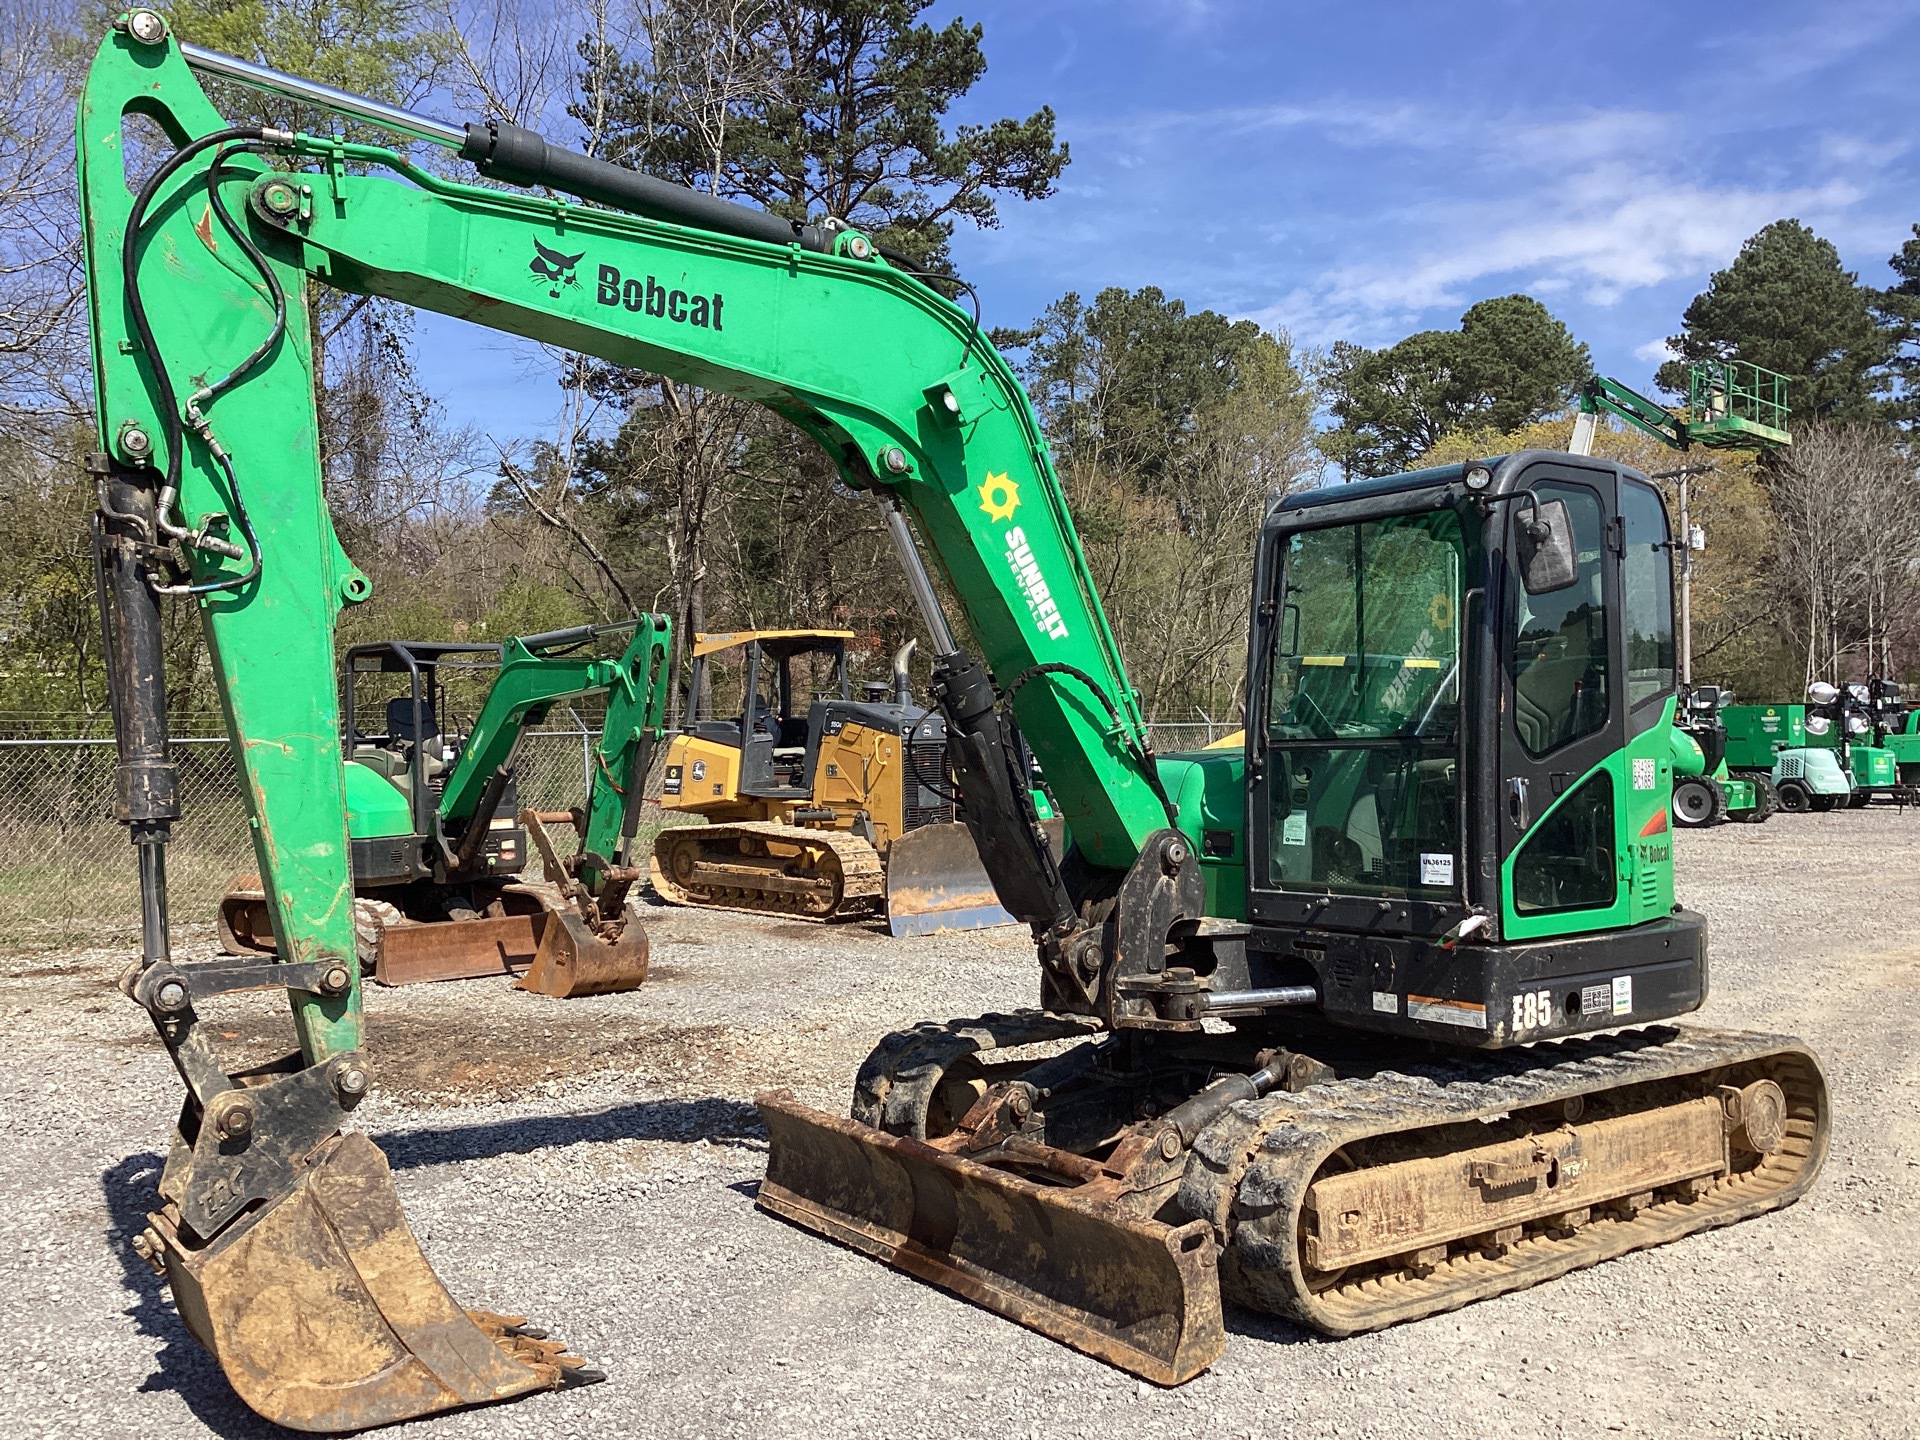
1563, 786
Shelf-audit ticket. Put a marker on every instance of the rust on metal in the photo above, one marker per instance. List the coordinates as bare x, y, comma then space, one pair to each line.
767, 868
326, 1317
1066, 1260
1411, 1205
573, 959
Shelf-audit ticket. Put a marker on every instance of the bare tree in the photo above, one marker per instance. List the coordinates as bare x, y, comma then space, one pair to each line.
44, 383
1848, 500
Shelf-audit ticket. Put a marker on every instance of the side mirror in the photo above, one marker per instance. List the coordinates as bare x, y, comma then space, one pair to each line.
1545, 542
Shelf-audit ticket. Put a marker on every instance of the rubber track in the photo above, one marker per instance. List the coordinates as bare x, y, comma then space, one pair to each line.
1249, 1172
863, 880
896, 1083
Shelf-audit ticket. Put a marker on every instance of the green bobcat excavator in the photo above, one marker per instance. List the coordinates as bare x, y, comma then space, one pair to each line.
438, 844
1331, 1024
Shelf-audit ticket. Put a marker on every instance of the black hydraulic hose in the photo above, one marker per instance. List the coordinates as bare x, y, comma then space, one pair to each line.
129, 268
1149, 770
242, 137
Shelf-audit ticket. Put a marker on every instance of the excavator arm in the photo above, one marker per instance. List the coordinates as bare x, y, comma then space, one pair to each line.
200, 263
538, 672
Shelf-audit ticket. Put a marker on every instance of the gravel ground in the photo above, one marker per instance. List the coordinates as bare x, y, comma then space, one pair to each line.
592, 1162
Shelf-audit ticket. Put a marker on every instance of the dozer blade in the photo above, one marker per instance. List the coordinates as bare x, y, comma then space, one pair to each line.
1135, 1293
572, 960
242, 924
935, 881
455, 949
326, 1317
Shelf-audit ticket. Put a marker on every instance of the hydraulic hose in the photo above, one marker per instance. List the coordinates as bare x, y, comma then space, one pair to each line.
174, 417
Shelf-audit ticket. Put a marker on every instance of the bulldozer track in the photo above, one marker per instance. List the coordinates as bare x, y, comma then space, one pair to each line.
725, 872
1252, 1172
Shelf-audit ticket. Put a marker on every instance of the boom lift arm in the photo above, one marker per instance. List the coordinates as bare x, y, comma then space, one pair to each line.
210, 489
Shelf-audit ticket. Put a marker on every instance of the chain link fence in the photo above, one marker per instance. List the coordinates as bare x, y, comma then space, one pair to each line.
67, 872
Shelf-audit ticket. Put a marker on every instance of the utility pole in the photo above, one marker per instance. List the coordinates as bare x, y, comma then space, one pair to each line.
1686, 547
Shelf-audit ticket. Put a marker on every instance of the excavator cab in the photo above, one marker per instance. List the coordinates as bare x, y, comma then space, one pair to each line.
402, 682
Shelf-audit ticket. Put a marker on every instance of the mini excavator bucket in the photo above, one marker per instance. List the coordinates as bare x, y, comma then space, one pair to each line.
573, 960
1135, 1293
326, 1317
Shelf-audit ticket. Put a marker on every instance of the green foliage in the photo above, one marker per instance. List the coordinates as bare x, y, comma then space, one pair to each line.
1510, 363
817, 108
1898, 308
1172, 430
1787, 305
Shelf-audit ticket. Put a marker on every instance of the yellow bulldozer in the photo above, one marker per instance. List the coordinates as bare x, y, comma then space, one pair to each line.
820, 806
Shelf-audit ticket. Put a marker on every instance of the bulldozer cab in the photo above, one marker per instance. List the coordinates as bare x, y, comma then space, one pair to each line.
783, 672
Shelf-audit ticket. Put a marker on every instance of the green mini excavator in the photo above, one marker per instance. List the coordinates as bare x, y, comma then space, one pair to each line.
1364, 1021
438, 841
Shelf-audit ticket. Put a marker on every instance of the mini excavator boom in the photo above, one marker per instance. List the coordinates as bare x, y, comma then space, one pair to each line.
1295, 985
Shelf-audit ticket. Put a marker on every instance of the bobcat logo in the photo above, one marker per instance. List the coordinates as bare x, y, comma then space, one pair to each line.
553, 269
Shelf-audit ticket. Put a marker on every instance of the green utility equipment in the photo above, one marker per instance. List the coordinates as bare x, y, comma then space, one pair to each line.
1705, 790
1331, 1025
1731, 405
1896, 729
1837, 749
438, 840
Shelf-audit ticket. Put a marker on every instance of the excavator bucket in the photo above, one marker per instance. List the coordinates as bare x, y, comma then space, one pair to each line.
1136, 1293
572, 960
935, 881
326, 1317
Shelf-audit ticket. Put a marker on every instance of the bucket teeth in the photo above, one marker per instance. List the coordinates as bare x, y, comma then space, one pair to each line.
326, 1317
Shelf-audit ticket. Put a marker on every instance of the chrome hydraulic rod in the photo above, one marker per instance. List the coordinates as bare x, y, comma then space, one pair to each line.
918, 582
313, 92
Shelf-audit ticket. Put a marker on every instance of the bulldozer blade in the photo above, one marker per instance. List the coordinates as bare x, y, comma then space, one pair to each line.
1135, 1293
326, 1317
572, 960
935, 881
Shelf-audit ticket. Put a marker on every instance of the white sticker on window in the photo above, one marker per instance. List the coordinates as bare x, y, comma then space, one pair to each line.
1436, 869
1645, 774
1386, 1002
1293, 830
1623, 995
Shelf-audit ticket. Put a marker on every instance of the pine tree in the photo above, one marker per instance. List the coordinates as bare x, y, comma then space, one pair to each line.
1787, 305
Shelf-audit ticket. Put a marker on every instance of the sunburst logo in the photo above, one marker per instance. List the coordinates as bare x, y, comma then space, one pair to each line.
999, 496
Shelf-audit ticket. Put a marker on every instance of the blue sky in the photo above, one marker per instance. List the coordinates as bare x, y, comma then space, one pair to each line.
1364, 170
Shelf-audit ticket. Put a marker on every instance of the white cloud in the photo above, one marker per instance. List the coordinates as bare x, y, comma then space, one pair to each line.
1655, 352
1599, 235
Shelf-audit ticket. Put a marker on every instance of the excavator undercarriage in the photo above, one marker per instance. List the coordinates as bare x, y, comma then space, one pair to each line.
1083, 1196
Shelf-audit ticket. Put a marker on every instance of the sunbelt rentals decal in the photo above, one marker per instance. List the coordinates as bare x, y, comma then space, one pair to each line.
999, 498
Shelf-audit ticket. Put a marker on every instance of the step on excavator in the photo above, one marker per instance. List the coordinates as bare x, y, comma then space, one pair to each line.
438, 841
1364, 1021
827, 808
